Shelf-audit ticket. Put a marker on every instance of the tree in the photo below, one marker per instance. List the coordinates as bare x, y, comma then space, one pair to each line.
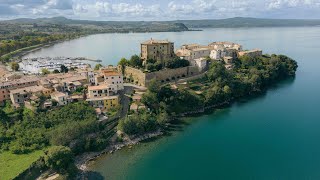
123, 63
56, 71
15, 66
135, 61
154, 86
6, 58
63, 69
150, 67
98, 66
163, 118
59, 158
45, 71
176, 62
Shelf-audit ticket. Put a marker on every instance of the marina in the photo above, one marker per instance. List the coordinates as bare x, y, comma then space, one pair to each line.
36, 65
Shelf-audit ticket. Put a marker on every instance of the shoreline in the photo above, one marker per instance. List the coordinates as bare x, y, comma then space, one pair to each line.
82, 160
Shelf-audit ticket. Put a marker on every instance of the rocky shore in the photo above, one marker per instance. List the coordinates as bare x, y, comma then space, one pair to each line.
83, 159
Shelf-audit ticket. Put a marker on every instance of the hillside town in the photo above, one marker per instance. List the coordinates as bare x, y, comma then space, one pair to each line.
102, 88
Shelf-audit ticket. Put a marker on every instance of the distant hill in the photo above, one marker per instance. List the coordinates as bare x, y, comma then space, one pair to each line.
10, 29
105, 26
248, 22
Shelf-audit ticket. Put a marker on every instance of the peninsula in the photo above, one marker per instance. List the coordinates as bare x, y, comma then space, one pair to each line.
73, 114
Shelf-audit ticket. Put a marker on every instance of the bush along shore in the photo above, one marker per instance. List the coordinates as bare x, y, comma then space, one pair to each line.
250, 76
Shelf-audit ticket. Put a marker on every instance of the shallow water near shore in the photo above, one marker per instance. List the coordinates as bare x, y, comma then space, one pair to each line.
273, 136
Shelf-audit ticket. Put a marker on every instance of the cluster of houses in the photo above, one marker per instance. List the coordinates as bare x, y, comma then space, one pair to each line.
102, 86
196, 54
227, 51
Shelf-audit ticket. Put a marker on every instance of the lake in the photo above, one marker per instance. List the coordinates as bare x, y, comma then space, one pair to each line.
274, 136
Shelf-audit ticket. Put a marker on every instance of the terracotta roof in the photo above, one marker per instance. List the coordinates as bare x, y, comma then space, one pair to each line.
31, 89
19, 81
102, 86
111, 73
58, 94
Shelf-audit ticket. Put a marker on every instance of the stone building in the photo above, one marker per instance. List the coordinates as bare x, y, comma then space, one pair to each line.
60, 97
20, 95
158, 50
226, 44
251, 53
6, 87
104, 103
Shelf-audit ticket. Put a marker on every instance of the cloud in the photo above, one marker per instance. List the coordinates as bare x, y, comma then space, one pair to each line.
159, 10
106, 9
280, 4
195, 7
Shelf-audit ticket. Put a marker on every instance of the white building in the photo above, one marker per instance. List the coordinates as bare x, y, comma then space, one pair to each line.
113, 78
189, 52
217, 53
87, 73
201, 63
101, 90
60, 97
231, 45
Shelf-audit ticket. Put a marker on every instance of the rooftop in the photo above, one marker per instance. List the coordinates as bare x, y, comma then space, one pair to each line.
223, 42
58, 94
31, 89
19, 81
74, 78
153, 41
111, 73
201, 49
102, 86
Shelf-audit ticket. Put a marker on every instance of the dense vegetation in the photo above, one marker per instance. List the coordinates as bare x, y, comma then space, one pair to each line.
23, 131
220, 86
23, 40
152, 65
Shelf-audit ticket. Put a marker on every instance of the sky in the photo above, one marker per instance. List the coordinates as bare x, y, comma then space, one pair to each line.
160, 9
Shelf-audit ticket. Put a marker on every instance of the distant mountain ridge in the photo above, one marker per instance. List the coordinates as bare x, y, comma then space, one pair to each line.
182, 25
248, 22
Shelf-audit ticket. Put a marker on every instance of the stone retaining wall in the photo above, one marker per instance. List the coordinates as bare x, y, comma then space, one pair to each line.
166, 75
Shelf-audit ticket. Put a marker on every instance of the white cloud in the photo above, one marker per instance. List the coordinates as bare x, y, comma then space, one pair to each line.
195, 7
160, 10
279, 4
106, 9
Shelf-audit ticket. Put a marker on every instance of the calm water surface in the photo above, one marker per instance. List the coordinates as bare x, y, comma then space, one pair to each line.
275, 136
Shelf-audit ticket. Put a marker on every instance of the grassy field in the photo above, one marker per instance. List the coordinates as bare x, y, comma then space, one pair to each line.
12, 165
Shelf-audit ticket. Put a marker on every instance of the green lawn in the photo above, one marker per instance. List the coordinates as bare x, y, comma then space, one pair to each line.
12, 165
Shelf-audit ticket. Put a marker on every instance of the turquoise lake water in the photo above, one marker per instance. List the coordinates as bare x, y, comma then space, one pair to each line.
274, 136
